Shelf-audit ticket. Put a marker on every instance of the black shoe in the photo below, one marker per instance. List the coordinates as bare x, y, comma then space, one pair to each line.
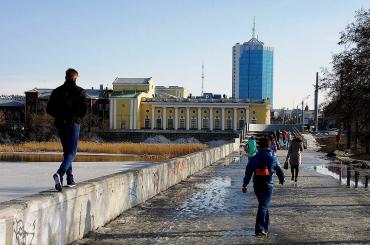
292, 178
295, 180
58, 182
70, 181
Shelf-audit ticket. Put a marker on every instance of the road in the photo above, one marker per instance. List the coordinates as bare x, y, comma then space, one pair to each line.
18, 179
209, 208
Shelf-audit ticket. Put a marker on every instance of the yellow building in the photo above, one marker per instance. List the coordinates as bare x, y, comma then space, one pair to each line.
133, 105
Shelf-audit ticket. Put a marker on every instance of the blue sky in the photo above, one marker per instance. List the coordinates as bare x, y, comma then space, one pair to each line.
167, 40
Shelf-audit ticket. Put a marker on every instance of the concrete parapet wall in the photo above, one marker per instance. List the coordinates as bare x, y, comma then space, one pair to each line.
62, 217
272, 127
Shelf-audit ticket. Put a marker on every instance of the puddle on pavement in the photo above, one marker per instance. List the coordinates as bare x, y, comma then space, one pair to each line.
18, 157
342, 172
211, 199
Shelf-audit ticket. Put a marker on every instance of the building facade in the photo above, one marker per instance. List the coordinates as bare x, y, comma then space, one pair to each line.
252, 71
133, 105
171, 92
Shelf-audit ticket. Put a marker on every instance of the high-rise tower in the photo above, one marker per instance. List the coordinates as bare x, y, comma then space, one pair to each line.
252, 75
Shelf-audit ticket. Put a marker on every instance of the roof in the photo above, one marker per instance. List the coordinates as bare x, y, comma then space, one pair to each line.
119, 80
11, 103
254, 41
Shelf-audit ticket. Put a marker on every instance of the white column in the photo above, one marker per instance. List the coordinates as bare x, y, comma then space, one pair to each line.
223, 118
199, 118
135, 113
210, 118
131, 113
110, 113
153, 120
235, 117
114, 113
247, 118
164, 121
176, 118
187, 118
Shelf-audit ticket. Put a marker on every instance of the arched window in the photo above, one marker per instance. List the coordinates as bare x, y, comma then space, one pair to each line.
193, 123
170, 123
217, 123
147, 123
182, 122
159, 123
229, 123
205, 123
241, 123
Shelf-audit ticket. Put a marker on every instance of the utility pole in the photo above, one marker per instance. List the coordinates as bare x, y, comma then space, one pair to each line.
302, 116
316, 103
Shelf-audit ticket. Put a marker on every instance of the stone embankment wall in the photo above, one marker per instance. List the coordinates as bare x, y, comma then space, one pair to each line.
62, 217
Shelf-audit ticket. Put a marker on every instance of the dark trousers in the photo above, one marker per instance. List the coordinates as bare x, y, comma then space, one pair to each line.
294, 170
69, 137
264, 195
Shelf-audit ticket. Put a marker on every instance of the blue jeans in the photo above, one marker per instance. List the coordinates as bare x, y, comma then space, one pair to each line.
69, 137
264, 195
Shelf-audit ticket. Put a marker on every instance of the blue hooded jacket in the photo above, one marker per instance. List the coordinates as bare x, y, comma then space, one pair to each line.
266, 158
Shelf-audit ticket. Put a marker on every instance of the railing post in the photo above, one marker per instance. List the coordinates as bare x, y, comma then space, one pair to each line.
348, 176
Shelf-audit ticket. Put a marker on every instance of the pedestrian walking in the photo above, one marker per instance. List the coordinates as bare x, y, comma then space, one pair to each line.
273, 147
295, 156
278, 134
263, 167
337, 139
67, 104
251, 147
289, 139
284, 134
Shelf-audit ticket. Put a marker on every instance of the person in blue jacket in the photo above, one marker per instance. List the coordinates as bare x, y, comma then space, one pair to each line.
262, 167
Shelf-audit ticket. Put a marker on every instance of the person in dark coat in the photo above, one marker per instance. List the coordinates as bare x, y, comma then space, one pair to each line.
295, 156
67, 104
262, 167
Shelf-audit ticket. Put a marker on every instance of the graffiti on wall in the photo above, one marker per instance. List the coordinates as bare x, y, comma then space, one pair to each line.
22, 236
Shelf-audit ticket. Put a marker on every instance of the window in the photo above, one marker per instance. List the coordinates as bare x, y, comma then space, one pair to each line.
229, 123
217, 123
205, 123
147, 123
241, 123
193, 123
159, 123
182, 122
123, 124
170, 123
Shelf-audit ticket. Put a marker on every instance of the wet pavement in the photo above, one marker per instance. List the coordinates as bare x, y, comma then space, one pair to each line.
209, 208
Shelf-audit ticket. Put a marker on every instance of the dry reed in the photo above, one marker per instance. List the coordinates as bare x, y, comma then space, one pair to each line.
165, 150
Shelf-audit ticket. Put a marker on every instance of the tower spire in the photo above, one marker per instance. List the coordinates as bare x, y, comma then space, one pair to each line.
254, 27
202, 79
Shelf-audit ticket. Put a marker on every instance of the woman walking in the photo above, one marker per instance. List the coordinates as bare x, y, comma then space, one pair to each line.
295, 156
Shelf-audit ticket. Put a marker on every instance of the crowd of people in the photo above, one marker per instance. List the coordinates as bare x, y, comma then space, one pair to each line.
263, 164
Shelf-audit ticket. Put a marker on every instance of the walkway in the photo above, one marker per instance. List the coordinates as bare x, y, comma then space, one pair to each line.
209, 208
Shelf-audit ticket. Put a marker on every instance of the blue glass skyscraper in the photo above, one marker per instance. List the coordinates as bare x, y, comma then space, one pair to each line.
253, 70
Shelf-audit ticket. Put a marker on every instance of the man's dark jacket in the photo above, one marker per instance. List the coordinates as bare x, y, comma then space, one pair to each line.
265, 157
67, 104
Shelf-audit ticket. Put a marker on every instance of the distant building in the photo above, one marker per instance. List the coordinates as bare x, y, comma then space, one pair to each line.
252, 70
171, 92
96, 99
11, 113
133, 105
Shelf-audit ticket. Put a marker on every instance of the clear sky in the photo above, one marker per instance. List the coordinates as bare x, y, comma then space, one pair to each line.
167, 40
